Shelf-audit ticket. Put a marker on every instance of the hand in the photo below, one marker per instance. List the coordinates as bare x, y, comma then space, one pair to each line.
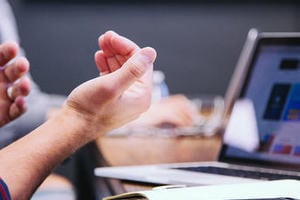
13, 85
123, 93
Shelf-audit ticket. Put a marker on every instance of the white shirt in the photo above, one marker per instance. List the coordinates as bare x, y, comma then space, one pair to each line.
8, 30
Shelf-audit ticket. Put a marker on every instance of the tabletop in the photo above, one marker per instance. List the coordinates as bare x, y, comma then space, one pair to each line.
149, 149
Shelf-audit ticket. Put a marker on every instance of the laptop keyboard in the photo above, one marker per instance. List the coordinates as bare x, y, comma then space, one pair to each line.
240, 173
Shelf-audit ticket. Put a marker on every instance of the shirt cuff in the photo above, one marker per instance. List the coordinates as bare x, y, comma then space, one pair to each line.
4, 192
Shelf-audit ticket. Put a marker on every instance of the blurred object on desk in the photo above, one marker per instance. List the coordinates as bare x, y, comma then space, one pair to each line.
160, 88
242, 130
210, 114
174, 129
177, 115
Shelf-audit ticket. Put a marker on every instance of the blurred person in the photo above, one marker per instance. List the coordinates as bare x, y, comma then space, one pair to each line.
39, 104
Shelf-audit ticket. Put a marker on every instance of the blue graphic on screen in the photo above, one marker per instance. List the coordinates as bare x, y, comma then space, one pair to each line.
276, 101
297, 151
292, 111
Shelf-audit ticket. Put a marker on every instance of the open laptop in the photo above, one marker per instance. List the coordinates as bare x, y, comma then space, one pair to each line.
267, 73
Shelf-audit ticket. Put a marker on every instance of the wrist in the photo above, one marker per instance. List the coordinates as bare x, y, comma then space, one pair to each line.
75, 125
79, 123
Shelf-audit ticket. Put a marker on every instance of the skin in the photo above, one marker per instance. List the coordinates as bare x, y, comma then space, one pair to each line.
12, 75
91, 110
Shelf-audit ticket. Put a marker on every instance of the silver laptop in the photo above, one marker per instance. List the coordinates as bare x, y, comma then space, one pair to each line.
267, 73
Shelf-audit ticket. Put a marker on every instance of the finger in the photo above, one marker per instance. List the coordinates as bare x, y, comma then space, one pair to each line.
7, 52
116, 50
101, 63
112, 43
21, 88
113, 63
17, 108
122, 59
186, 118
123, 45
104, 44
3, 91
138, 67
109, 51
107, 65
16, 69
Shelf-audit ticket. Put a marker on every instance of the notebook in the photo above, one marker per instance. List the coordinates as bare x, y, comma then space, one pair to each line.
265, 190
267, 74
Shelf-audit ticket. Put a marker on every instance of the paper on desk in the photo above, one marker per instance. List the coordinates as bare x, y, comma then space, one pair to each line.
241, 131
258, 190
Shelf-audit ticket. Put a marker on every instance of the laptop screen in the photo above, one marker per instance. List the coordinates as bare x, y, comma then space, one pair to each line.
273, 84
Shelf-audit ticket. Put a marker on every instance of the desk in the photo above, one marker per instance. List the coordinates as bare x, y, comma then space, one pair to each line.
138, 150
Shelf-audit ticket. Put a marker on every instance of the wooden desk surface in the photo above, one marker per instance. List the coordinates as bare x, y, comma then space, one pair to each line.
138, 150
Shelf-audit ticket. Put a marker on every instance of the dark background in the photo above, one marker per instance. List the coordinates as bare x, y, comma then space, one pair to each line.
198, 43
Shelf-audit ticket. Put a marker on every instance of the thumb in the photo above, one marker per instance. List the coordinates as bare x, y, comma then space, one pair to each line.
138, 67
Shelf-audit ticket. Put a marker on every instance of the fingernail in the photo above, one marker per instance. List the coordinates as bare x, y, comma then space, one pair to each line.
148, 54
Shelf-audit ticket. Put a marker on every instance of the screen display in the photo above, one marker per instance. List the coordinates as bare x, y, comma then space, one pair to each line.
273, 85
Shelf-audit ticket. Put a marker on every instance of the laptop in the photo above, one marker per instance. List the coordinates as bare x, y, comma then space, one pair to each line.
267, 73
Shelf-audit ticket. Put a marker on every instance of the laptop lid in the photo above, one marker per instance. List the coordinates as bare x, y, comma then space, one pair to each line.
268, 74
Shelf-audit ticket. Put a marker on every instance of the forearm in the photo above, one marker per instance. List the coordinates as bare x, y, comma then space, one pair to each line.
42, 149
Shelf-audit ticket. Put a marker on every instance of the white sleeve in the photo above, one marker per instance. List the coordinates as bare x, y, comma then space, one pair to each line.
8, 28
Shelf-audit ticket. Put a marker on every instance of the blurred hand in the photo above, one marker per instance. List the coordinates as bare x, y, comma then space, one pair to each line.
173, 111
14, 86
